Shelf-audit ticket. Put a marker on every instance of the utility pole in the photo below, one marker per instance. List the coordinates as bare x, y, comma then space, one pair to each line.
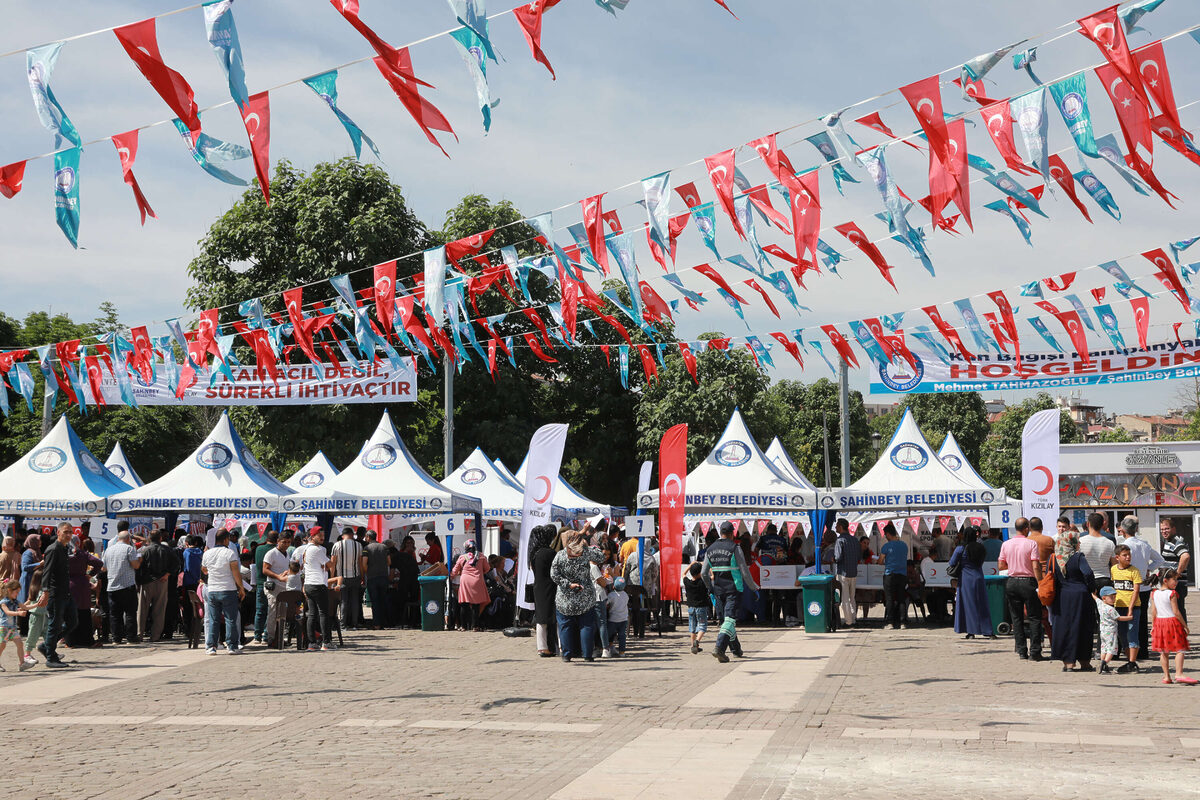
45, 413
825, 436
448, 427
844, 413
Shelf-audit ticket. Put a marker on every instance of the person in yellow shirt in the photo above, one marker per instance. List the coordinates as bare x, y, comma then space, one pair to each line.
1127, 580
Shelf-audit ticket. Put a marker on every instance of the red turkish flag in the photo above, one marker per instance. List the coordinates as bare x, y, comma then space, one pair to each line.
303, 328
11, 176
766, 298
396, 68
537, 322
974, 90
721, 3
899, 346
648, 365
840, 344
1062, 176
925, 99
672, 499
256, 116
1173, 135
1105, 29
654, 307
143, 353
997, 118
762, 201
468, 246
690, 194
947, 331
805, 194
264, 354
140, 41
349, 10
720, 172
775, 159
127, 145
1168, 276
1132, 113
1073, 326
385, 294
412, 325
789, 345
859, 239
95, 379
593, 223
529, 17
689, 361
876, 123
1156, 80
716, 277
1141, 318
569, 291
718, 344
531, 340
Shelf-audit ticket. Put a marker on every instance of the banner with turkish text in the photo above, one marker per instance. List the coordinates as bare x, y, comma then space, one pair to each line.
541, 477
1039, 465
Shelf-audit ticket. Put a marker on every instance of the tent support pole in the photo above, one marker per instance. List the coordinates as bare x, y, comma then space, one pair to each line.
45, 414
844, 413
448, 428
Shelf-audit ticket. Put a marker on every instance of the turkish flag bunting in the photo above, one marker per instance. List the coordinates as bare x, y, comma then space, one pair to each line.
1073, 326
1156, 80
11, 176
654, 307
859, 239
1061, 283
529, 17
689, 194
1175, 136
612, 221
127, 145
140, 41
974, 90
766, 298
1132, 113
615, 324
648, 365
1168, 276
396, 68
805, 194
925, 98
1107, 31
466, 247
264, 354
952, 177
947, 331
349, 10
303, 328
789, 345
875, 123
569, 290
532, 341
95, 379
1141, 318
537, 322
492, 359
593, 223
256, 116
721, 3
385, 294
1062, 176
840, 344
718, 344
997, 118
142, 357
1142, 167
720, 172
762, 201
716, 277
672, 477
689, 361
412, 325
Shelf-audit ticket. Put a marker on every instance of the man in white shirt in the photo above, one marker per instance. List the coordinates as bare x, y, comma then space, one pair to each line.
316, 587
275, 576
225, 591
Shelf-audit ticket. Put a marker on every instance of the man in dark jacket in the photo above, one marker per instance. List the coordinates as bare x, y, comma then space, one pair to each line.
56, 580
726, 574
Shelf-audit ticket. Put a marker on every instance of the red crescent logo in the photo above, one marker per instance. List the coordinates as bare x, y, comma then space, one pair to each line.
1049, 481
546, 495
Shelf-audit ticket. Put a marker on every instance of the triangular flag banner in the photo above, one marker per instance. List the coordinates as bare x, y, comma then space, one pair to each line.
325, 85
140, 41
66, 193
127, 146
256, 115
223, 38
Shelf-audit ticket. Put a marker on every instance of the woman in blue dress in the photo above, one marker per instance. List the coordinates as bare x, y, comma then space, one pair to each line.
970, 606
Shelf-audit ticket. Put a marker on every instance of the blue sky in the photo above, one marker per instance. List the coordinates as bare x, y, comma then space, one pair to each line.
663, 85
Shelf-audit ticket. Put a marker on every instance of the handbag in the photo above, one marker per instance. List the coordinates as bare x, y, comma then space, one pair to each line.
1048, 585
954, 570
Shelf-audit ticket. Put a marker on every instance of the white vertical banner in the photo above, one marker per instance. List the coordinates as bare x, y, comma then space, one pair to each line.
1039, 465
644, 476
541, 478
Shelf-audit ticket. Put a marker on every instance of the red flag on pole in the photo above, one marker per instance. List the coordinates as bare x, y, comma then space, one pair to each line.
840, 344
529, 17
672, 475
127, 146
1108, 32
11, 176
997, 118
385, 294
720, 172
1141, 318
256, 116
140, 41
859, 239
593, 223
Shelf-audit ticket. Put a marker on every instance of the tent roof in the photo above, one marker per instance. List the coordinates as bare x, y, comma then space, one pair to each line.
737, 476
313, 474
118, 464
952, 456
502, 496
221, 475
909, 475
569, 498
59, 476
384, 478
778, 456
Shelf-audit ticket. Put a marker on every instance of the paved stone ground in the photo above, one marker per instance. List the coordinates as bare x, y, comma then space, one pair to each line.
866, 714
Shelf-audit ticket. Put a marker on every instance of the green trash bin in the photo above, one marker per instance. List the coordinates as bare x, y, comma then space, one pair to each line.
433, 602
817, 602
995, 597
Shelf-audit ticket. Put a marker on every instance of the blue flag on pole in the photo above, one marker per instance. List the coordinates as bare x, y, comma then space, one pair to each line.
223, 37
39, 65
66, 193
825, 147
325, 85
472, 15
706, 223
623, 360
472, 49
1070, 95
621, 246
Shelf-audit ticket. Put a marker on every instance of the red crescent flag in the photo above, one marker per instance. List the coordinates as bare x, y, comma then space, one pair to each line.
721, 3
859, 239
396, 68
714, 276
839, 344
256, 116
1142, 167
720, 172
1132, 113
1072, 325
689, 361
491, 364
997, 119
956, 181
1141, 318
143, 353
349, 10
875, 123
1168, 276
718, 344
1061, 283
385, 294
947, 331
612, 221
766, 298
1098, 293
654, 307
762, 201
789, 345
11, 176
1175, 326
648, 365
672, 476
140, 41
925, 99
615, 324
529, 17
689, 194
531, 340
95, 379
1105, 29
264, 354
467, 246
404, 306
1156, 80
569, 290
1167, 130
974, 90
593, 223
537, 322
805, 194
1062, 176
127, 145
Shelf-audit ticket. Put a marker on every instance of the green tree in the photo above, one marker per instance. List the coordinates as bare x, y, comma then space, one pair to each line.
1115, 435
805, 409
961, 413
1001, 463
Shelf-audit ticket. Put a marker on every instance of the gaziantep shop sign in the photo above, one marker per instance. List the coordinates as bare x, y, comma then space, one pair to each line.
298, 384
1000, 371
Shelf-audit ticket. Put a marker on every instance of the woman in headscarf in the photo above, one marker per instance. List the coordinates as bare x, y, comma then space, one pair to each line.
29, 562
541, 556
81, 559
571, 571
1074, 605
472, 589
970, 605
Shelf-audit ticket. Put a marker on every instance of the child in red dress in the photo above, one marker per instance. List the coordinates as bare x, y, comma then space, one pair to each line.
1170, 631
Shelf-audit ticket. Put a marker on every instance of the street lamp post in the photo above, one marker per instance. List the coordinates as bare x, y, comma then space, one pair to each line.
875, 442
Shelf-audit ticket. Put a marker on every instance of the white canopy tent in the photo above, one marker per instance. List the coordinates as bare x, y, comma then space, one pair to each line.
58, 477
383, 479
778, 456
503, 498
576, 505
118, 464
221, 475
312, 475
738, 479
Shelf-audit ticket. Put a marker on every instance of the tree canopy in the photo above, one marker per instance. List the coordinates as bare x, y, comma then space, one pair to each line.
1001, 463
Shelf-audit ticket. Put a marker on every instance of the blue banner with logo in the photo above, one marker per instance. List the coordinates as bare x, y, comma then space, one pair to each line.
66, 193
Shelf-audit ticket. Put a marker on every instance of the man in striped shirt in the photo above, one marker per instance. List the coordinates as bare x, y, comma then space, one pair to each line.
350, 564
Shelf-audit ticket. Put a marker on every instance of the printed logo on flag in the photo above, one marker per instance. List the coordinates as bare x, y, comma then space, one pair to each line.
48, 459
379, 456
214, 456
899, 376
953, 462
90, 463
64, 179
473, 476
909, 456
311, 480
118, 470
733, 454
1072, 106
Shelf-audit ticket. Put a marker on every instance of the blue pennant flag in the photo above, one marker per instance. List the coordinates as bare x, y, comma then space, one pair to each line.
469, 330
843, 141
876, 166
1111, 152
623, 360
1179, 247
1124, 284
1077, 304
166, 347
614, 298
821, 353
979, 66
473, 51
223, 37
739, 260
868, 343
208, 152
695, 297
1108, 321
742, 209
1099, 192
1029, 112
1032, 289
829, 257
364, 337
587, 324
325, 85
613, 6
252, 312
472, 15
66, 193
1001, 207
579, 234
892, 321
733, 303
1131, 14
23, 382
120, 372
523, 281
926, 337
51, 391
706, 223
1044, 332
512, 354
982, 340
4, 406
657, 193
1005, 183
760, 350
39, 65
1070, 95
824, 145
1024, 60
779, 280
621, 247
341, 285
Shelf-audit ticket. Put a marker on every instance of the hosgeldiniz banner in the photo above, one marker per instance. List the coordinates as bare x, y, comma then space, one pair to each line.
935, 374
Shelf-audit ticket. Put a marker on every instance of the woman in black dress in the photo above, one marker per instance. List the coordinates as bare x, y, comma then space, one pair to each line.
542, 546
1074, 606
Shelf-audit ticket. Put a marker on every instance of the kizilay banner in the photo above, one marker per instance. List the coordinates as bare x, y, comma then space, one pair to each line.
541, 476
999, 372
1039, 464
298, 384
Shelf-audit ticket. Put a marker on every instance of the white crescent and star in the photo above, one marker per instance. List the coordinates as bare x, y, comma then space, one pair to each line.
925, 101
257, 122
1111, 42
673, 478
